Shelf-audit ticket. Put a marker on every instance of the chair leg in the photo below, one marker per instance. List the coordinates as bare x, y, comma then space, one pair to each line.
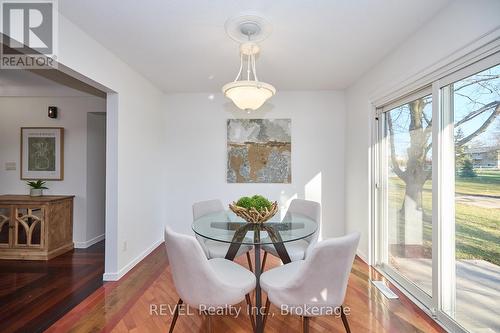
305, 324
344, 320
266, 309
208, 318
250, 311
249, 262
264, 261
176, 314
210, 328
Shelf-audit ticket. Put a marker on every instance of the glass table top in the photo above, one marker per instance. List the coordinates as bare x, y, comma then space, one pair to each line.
228, 228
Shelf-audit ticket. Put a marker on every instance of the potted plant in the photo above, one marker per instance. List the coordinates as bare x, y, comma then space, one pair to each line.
256, 209
36, 188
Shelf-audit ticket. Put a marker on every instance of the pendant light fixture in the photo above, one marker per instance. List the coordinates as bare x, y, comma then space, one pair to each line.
246, 91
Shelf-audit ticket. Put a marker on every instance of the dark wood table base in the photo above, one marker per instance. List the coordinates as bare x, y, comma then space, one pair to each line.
275, 237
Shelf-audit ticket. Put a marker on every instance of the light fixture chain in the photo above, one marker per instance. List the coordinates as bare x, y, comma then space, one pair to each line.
254, 68
241, 68
248, 67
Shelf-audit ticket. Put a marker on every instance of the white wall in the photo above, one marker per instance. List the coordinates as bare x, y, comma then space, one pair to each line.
197, 155
135, 188
460, 25
137, 198
17, 112
96, 176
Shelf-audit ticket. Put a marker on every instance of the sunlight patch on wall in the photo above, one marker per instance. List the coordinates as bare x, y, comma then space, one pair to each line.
313, 192
285, 201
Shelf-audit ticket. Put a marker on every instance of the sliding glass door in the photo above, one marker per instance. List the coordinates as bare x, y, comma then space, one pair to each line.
475, 111
408, 195
437, 195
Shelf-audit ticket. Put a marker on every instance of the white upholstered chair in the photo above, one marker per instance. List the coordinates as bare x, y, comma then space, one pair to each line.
317, 283
214, 249
297, 250
204, 282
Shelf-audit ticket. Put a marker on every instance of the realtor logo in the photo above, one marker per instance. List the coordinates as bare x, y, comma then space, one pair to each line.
28, 34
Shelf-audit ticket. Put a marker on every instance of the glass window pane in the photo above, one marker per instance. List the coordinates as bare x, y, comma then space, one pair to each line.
409, 191
476, 109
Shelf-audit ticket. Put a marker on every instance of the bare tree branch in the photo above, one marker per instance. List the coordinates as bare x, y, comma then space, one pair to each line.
395, 165
476, 113
427, 148
469, 98
426, 101
488, 78
483, 127
427, 120
486, 87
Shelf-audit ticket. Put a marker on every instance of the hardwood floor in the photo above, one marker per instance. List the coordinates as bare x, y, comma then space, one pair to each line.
35, 294
124, 306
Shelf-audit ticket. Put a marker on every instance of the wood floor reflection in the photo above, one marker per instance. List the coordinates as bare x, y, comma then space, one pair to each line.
35, 294
125, 306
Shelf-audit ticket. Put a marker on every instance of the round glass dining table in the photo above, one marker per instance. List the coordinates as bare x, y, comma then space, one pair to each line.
228, 228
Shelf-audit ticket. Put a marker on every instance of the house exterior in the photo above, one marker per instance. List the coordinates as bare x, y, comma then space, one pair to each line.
485, 157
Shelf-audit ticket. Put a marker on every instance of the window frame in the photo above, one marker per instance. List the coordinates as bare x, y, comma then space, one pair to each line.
443, 217
381, 193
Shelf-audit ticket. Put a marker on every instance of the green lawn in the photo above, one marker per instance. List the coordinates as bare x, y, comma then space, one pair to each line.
477, 228
486, 183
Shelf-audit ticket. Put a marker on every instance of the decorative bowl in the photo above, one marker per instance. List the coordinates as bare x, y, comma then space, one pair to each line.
252, 215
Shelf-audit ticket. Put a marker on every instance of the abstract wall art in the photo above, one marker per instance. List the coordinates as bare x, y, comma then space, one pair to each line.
259, 151
42, 153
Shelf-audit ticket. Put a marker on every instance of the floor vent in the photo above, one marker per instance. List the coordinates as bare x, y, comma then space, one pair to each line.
385, 290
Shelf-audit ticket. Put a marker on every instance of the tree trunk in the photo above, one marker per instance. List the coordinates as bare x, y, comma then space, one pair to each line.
413, 192
410, 213
415, 176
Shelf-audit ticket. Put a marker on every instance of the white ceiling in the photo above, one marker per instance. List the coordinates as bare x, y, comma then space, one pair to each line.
181, 45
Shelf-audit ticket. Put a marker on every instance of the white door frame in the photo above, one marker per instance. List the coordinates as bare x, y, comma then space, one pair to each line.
111, 223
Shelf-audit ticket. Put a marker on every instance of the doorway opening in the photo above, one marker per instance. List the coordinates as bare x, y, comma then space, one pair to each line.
55, 277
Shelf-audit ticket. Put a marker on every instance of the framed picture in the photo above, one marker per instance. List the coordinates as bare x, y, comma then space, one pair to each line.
259, 151
42, 153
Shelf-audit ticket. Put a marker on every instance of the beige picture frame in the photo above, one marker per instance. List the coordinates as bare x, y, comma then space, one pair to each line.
42, 153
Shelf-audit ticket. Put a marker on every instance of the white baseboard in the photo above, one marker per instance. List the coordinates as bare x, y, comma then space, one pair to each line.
115, 276
84, 245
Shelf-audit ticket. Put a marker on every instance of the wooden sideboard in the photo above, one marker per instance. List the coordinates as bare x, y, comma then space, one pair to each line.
35, 228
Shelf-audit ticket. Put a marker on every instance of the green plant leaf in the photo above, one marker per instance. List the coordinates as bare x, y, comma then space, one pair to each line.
258, 202
244, 202
39, 184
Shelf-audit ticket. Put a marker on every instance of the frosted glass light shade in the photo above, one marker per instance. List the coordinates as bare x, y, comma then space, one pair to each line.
248, 95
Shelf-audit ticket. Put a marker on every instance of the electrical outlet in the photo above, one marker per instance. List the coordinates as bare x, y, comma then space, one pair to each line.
10, 166
125, 246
